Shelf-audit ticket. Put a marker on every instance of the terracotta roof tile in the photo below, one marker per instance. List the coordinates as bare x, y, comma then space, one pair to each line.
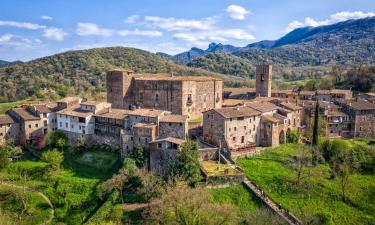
114, 114
75, 110
170, 139
147, 112
173, 118
233, 112
24, 114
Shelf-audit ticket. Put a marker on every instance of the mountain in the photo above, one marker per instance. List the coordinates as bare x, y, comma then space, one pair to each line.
81, 72
2, 62
195, 53
308, 51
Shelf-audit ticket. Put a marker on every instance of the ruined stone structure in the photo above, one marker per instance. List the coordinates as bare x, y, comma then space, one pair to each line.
185, 95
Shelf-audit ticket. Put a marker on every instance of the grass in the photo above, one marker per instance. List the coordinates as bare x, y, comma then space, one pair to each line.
318, 195
72, 189
213, 168
236, 195
8, 105
38, 210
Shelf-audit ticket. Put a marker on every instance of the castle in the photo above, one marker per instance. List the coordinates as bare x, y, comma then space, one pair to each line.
160, 111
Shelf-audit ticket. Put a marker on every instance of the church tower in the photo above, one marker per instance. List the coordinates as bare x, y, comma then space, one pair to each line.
263, 80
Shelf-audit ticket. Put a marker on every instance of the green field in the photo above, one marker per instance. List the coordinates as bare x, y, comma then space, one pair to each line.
72, 190
319, 196
236, 195
212, 168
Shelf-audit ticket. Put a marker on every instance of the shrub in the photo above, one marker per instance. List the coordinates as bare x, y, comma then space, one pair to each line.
53, 157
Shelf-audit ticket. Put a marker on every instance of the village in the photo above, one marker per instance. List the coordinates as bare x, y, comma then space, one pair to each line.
161, 111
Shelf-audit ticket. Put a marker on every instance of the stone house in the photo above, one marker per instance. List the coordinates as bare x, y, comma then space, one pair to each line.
9, 129
162, 151
172, 125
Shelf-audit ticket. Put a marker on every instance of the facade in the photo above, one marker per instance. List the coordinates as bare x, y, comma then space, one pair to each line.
186, 95
162, 151
9, 129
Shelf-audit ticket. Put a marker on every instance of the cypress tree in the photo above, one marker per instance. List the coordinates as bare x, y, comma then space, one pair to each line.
316, 124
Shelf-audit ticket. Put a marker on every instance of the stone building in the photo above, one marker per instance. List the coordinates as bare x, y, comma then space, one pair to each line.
235, 128
185, 95
263, 81
31, 127
9, 129
173, 126
362, 116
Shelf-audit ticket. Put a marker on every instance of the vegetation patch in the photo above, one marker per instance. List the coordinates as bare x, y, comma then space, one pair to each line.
212, 168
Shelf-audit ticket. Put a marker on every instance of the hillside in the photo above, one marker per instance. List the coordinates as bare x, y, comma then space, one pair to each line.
80, 72
225, 63
306, 51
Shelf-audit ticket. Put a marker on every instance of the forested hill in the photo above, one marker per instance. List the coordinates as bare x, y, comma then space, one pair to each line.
81, 71
347, 43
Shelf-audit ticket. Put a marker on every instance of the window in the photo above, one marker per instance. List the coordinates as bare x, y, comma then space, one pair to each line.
141, 95
240, 118
45, 123
242, 139
36, 125
229, 129
60, 124
234, 138
29, 125
156, 97
235, 128
244, 127
79, 127
159, 145
82, 120
170, 124
44, 115
66, 125
189, 99
72, 126
1, 134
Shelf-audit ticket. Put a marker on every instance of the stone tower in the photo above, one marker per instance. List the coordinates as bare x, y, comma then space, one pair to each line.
118, 83
263, 80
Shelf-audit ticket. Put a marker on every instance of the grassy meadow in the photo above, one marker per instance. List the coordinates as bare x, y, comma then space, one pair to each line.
318, 195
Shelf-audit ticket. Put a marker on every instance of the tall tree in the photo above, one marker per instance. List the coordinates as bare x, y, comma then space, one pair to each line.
315, 136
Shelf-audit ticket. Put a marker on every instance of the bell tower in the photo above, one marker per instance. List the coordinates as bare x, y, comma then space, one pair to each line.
263, 76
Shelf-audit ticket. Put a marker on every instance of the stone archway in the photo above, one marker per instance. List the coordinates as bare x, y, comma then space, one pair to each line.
282, 137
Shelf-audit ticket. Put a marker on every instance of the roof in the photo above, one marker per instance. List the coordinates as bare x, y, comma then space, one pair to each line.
280, 117
120, 70
172, 118
164, 77
307, 93
360, 105
270, 118
75, 110
6, 119
147, 112
236, 91
170, 139
336, 113
91, 103
24, 114
114, 114
262, 106
232, 102
233, 112
290, 106
42, 108
144, 125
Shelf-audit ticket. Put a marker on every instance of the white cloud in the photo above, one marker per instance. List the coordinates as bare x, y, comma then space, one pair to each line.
237, 12
54, 33
13, 41
174, 24
137, 32
131, 19
46, 18
5, 38
86, 29
334, 18
221, 35
24, 25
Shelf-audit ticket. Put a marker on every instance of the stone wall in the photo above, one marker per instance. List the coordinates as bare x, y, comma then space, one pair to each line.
10, 131
171, 129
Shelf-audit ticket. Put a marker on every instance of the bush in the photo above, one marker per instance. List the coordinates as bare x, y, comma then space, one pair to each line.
4, 161
53, 157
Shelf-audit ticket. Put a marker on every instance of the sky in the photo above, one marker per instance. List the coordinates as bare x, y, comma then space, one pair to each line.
38, 28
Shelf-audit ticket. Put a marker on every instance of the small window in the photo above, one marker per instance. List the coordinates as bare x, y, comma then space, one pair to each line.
66, 125
36, 125
242, 139
29, 125
72, 126
235, 128
170, 124
234, 138
60, 124
159, 145
156, 97
244, 127
1, 134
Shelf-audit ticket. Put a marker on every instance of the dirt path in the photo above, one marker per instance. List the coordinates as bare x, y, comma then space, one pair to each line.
40, 194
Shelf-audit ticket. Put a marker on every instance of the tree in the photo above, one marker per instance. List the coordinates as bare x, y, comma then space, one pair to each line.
139, 155
183, 205
300, 162
292, 137
56, 139
129, 166
117, 182
53, 157
186, 163
4, 161
315, 136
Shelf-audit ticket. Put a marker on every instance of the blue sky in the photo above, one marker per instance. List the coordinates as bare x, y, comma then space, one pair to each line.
32, 29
